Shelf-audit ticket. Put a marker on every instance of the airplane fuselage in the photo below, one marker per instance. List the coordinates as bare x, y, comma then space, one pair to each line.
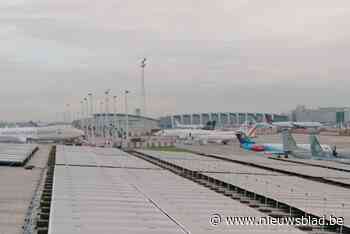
51, 133
216, 136
268, 148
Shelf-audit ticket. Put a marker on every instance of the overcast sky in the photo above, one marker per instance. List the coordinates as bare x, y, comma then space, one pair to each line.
203, 55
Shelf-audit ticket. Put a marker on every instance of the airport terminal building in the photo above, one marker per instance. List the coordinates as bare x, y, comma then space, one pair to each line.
103, 124
223, 119
333, 116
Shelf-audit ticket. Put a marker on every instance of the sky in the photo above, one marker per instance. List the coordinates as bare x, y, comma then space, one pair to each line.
202, 56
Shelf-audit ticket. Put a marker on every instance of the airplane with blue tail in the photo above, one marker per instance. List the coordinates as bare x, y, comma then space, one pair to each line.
248, 144
288, 147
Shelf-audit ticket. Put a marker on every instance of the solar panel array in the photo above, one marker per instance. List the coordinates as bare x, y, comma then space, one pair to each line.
306, 170
15, 154
310, 196
342, 164
204, 164
92, 200
89, 197
94, 157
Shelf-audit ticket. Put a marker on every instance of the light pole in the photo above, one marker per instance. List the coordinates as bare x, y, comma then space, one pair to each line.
115, 117
92, 125
101, 119
143, 89
86, 116
107, 110
82, 115
126, 119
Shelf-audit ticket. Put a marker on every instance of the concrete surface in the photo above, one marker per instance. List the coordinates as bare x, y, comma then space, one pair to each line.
17, 186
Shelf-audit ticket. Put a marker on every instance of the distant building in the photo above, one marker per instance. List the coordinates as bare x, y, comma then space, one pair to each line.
223, 119
105, 123
333, 116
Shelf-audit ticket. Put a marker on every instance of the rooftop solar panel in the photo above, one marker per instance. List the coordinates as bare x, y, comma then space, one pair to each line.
16, 154
103, 157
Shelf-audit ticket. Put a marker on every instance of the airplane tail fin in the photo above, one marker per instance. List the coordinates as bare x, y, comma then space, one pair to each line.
289, 143
316, 148
243, 138
252, 132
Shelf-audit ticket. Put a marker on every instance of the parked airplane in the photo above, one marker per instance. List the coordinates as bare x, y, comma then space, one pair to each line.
203, 135
248, 144
225, 137
318, 151
30, 134
188, 133
296, 125
288, 146
304, 151
220, 137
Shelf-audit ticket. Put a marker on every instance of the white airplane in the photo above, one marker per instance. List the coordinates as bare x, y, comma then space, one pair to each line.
37, 134
220, 137
202, 136
289, 124
185, 133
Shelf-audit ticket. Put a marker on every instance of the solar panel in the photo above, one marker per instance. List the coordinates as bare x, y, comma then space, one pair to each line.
290, 190
103, 157
16, 154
